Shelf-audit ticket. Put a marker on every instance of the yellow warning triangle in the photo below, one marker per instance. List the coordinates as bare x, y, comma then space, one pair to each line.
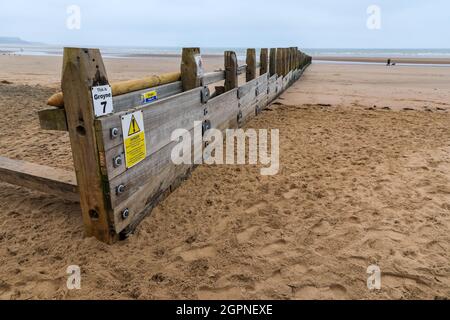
134, 127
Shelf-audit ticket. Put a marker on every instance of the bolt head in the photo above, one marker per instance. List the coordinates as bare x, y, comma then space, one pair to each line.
120, 189
114, 132
125, 214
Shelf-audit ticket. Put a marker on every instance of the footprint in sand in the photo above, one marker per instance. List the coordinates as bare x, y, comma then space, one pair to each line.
256, 207
196, 254
321, 227
273, 248
246, 235
290, 194
334, 292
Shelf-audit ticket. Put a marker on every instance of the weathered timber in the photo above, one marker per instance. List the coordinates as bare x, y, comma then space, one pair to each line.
82, 70
264, 61
40, 178
251, 64
191, 68
231, 71
124, 87
273, 61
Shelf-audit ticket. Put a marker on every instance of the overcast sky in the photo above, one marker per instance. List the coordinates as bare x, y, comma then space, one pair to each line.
231, 23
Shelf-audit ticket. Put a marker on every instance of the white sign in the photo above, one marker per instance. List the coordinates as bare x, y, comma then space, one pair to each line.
134, 138
103, 102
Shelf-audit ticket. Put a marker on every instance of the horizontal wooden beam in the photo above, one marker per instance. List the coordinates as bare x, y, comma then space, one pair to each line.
124, 87
40, 178
213, 77
53, 119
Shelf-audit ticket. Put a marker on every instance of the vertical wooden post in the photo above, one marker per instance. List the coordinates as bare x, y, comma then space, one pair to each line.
82, 70
285, 62
264, 59
251, 64
302, 60
273, 61
295, 57
291, 58
280, 62
191, 68
231, 71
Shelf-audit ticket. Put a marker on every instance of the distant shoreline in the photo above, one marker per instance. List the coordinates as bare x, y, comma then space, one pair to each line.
427, 61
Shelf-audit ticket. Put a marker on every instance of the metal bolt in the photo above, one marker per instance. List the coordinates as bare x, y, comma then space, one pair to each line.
125, 214
114, 132
117, 161
120, 189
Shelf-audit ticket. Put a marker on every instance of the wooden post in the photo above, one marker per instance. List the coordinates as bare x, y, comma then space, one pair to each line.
273, 61
285, 62
251, 64
264, 59
291, 58
82, 70
191, 68
303, 60
280, 62
231, 71
295, 57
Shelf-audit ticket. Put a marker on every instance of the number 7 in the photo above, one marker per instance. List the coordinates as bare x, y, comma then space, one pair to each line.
104, 103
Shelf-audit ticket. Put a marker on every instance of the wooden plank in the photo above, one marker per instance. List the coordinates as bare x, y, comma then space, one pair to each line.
145, 183
273, 93
83, 69
154, 115
191, 68
213, 77
251, 65
231, 71
53, 119
242, 69
264, 61
273, 62
247, 87
223, 111
40, 178
280, 85
134, 99
160, 120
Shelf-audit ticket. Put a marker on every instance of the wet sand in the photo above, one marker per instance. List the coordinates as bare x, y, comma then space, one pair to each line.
364, 179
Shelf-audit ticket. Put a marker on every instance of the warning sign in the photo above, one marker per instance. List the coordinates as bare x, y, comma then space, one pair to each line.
134, 138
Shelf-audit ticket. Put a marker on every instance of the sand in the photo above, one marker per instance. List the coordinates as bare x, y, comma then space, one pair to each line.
365, 176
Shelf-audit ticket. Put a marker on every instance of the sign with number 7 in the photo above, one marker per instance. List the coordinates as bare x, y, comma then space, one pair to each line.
102, 100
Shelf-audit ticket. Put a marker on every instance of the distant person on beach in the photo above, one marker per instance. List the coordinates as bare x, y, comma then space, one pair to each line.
388, 62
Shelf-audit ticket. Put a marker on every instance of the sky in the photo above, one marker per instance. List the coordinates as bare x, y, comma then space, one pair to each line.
231, 23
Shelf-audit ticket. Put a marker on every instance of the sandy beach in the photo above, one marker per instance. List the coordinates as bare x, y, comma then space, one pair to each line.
364, 179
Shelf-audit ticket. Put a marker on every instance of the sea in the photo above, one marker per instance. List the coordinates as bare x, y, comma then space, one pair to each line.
124, 52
